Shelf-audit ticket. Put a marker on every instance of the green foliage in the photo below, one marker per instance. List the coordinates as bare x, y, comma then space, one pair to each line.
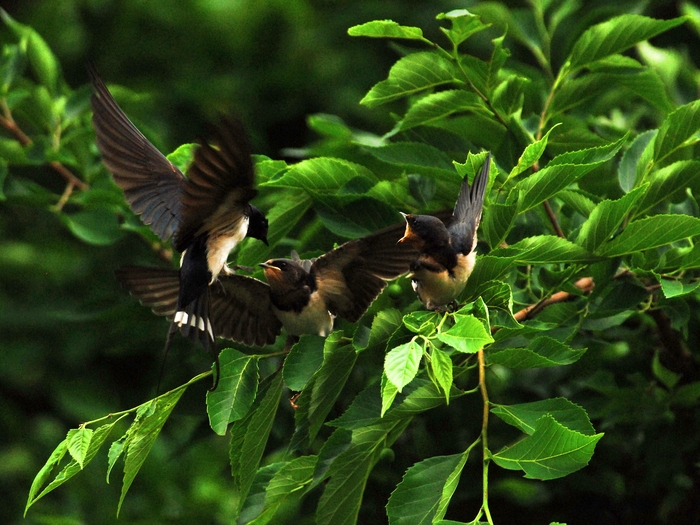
586, 280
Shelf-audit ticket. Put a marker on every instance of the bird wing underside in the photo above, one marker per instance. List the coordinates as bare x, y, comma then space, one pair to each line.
241, 310
353, 275
219, 179
239, 307
467, 212
152, 184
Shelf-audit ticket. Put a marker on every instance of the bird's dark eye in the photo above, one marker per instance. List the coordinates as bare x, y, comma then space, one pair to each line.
282, 265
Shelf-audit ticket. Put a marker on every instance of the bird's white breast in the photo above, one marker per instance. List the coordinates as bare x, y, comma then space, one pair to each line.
220, 245
313, 319
439, 289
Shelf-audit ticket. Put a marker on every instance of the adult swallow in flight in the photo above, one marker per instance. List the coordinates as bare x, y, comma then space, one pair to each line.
206, 213
447, 255
303, 296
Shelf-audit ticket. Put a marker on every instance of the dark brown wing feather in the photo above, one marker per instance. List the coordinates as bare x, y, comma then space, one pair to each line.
467, 212
223, 176
152, 184
351, 277
241, 310
239, 306
156, 288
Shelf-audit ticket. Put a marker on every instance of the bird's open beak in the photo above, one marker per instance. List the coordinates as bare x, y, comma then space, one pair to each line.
268, 266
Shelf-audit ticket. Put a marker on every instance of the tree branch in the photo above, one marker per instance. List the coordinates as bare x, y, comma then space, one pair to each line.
8, 122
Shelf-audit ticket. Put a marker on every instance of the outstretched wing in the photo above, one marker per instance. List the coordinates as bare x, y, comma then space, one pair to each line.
241, 310
152, 184
219, 184
467, 212
351, 277
239, 306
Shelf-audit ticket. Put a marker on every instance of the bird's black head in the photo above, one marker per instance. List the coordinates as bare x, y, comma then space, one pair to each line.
424, 229
284, 274
257, 225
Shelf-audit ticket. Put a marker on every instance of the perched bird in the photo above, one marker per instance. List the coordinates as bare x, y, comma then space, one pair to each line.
206, 213
303, 296
447, 255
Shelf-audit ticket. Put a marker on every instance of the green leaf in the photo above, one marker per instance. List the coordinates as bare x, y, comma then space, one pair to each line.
401, 363
629, 168
547, 182
99, 436
663, 374
323, 389
384, 325
615, 36
236, 391
285, 487
43, 474
421, 322
679, 127
643, 82
606, 218
545, 249
249, 436
98, 226
43, 61
388, 392
410, 75
464, 25
468, 334
441, 366
436, 106
651, 232
356, 218
532, 154
418, 396
146, 430
322, 174
541, 352
552, 451
525, 415
79, 443
342, 496
302, 361
675, 288
666, 182
497, 222
578, 201
425, 490
419, 158
183, 156
386, 29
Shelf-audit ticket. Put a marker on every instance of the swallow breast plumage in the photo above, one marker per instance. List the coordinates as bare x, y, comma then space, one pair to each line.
206, 213
447, 252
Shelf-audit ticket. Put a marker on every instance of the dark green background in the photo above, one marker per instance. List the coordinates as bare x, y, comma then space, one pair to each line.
76, 347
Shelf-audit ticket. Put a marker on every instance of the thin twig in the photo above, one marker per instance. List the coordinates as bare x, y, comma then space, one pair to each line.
553, 219
484, 436
584, 284
8, 122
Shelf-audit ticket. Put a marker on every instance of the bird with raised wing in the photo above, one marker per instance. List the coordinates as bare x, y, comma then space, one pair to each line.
447, 251
206, 213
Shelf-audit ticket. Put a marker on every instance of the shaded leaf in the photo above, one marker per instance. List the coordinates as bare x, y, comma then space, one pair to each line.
525, 415
551, 452
650, 233
233, 397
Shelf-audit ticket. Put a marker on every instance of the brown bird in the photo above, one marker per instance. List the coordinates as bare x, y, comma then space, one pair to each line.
447, 255
207, 213
304, 296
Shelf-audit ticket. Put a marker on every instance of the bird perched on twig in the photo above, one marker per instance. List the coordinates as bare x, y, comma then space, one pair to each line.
303, 296
447, 255
206, 213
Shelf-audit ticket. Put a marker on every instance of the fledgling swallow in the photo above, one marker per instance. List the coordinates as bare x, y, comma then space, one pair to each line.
447, 252
303, 296
206, 213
